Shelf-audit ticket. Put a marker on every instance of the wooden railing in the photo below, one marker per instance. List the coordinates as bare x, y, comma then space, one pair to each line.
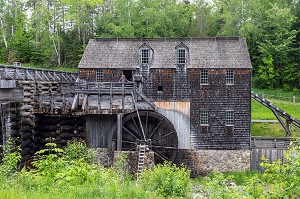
34, 74
108, 88
258, 142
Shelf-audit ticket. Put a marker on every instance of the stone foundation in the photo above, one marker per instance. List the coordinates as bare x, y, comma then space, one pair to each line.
202, 162
104, 156
132, 160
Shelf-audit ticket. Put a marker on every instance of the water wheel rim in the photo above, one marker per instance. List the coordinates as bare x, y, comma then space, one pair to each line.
159, 132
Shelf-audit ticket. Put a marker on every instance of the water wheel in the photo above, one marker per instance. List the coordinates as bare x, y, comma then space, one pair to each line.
152, 129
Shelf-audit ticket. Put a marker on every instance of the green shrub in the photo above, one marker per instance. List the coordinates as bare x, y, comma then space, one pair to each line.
167, 180
283, 178
10, 159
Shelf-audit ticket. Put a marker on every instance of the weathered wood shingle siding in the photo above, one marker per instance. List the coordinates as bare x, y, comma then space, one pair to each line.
216, 98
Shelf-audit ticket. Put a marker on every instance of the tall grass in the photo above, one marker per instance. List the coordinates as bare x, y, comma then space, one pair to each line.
69, 173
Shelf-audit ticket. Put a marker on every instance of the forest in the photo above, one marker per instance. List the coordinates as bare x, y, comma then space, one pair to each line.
54, 33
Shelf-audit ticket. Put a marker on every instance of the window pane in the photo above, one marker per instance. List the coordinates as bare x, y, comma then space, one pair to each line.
181, 56
229, 118
203, 117
204, 77
99, 75
145, 56
229, 77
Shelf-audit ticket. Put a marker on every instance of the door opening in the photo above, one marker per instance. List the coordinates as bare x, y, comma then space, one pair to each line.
128, 74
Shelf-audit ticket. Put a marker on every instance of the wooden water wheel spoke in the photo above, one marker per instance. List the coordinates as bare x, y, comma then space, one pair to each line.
136, 126
163, 147
155, 129
128, 131
160, 137
146, 122
128, 141
159, 134
162, 157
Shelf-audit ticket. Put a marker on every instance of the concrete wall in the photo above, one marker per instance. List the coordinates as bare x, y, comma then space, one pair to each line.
202, 162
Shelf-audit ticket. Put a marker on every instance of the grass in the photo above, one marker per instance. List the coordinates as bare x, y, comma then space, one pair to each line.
64, 69
260, 112
278, 94
239, 177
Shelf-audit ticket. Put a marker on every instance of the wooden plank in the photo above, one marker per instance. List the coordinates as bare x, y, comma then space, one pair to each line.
119, 132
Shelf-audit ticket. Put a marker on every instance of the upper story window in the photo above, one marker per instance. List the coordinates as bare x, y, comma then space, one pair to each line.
229, 120
145, 54
204, 77
99, 76
229, 77
182, 53
181, 56
204, 118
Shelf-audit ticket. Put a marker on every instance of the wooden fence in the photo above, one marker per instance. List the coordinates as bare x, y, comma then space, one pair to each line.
272, 149
294, 99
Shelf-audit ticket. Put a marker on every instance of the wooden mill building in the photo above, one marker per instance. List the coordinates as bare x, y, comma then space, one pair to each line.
177, 96
198, 88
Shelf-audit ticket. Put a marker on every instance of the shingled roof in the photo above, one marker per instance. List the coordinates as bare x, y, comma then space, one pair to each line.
225, 52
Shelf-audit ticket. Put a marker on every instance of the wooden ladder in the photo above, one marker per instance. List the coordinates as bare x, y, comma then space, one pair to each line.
141, 160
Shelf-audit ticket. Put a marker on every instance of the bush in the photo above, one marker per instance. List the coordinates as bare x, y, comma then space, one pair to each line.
10, 159
167, 180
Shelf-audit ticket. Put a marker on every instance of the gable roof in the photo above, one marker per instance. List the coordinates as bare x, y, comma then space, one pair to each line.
225, 52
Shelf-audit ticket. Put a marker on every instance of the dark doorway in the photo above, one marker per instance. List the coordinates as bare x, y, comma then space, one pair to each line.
128, 74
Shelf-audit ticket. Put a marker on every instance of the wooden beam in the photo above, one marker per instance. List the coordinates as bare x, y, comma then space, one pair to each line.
119, 132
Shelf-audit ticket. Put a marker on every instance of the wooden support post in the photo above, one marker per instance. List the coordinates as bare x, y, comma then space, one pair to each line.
294, 99
64, 103
123, 87
52, 103
119, 132
99, 97
111, 85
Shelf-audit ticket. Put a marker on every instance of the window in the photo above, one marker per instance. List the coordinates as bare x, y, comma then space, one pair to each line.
229, 77
182, 54
204, 77
229, 118
203, 117
145, 56
160, 89
99, 76
146, 53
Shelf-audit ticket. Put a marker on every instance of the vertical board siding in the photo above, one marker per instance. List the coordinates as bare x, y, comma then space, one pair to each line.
100, 130
178, 114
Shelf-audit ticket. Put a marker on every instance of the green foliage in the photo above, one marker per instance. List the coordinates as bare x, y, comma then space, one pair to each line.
55, 33
10, 159
76, 178
283, 178
167, 180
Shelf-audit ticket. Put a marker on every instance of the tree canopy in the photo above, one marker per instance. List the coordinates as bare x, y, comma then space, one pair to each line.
55, 32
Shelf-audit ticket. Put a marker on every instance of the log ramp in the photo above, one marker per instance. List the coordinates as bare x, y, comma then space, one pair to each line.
27, 96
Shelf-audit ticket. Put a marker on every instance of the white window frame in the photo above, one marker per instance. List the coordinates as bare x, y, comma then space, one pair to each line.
181, 59
204, 118
229, 77
229, 118
99, 75
204, 77
145, 56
